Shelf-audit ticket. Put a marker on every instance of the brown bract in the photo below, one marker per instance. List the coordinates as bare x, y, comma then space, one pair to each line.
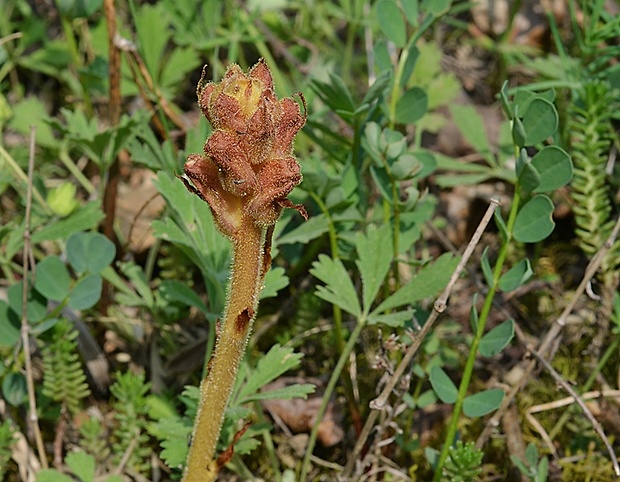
248, 168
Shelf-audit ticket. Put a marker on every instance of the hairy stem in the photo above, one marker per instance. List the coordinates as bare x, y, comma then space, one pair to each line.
216, 388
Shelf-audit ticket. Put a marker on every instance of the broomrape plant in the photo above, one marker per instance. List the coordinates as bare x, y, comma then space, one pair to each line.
245, 175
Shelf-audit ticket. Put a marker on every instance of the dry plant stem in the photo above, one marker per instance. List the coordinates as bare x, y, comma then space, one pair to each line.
558, 404
439, 307
595, 423
551, 335
25, 327
216, 388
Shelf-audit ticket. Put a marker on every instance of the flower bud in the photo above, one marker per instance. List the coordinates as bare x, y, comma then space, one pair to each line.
247, 169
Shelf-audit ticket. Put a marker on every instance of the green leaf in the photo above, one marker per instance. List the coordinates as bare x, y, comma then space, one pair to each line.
172, 290
284, 393
82, 465
431, 279
177, 433
442, 384
487, 271
306, 232
391, 22
9, 326
36, 304
29, 112
518, 132
506, 104
554, 166
516, 276
152, 26
138, 278
383, 182
83, 219
473, 314
540, 121
394, 320
501, 224
339, 288
277, 361
534, 220
482, 403
529, 177
374, 260
497, 339
471, 126
436, 7
411, 106
86, 292
53, 279
275, 280
52, 475
90, 252
14, 389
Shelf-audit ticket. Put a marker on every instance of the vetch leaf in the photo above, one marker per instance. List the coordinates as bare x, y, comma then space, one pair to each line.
36, 305
411, 106
391, 22
14, 388
473, 314
86, 292
471, 126
338, 288
554, 166
482, 403
487, 271
430, 280
534, 220
9, 326
53, 279
497, 339
90, 252
442, 384
374, 259
540, 121
516, 276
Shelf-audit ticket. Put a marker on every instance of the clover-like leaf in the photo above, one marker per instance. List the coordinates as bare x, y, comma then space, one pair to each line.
534, 220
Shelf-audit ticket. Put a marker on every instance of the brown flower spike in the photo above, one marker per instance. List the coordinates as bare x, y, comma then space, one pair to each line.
248, 168
245, 175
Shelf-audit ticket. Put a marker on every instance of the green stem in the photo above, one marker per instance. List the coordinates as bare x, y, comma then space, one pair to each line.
21, 176
329, 390
473, 350
230, 347
73, 169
